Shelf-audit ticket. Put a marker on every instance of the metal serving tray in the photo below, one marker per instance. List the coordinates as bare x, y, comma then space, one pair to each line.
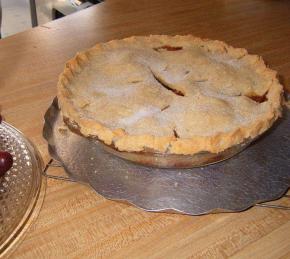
258, 174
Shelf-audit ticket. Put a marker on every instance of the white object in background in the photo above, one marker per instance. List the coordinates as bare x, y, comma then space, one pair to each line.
70, 6
15, 17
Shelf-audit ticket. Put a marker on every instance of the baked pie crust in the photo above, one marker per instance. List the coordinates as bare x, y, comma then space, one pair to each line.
169, 94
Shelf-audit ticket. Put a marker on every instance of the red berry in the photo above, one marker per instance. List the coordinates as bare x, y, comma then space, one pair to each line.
6, 162
0, 118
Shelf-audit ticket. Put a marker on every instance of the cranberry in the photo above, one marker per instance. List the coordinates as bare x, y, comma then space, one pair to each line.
6, 162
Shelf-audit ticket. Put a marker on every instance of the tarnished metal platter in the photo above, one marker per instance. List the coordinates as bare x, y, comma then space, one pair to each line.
259, 173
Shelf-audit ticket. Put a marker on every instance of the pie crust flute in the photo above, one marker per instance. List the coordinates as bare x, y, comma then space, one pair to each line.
169, 94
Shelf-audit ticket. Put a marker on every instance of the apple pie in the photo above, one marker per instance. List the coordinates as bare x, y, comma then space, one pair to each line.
169, 94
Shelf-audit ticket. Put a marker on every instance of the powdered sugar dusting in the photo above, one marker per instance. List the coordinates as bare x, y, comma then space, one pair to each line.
224, 59
116, 91
139, 114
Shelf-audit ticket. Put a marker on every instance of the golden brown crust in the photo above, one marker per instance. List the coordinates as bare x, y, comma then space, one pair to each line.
172, 143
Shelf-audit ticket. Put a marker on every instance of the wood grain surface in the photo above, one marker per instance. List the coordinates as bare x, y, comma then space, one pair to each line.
75, 222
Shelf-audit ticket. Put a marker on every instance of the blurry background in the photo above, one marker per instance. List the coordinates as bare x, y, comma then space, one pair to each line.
16, 16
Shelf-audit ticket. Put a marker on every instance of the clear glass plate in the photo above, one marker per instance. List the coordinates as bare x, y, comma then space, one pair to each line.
22, 188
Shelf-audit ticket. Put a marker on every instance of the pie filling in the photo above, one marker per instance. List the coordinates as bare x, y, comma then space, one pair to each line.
179, 95
168, 48
258, 98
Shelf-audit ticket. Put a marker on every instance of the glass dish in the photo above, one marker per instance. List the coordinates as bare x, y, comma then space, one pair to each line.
22, 188
160, 160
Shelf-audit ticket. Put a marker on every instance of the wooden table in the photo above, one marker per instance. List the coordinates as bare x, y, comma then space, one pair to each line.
74, 220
